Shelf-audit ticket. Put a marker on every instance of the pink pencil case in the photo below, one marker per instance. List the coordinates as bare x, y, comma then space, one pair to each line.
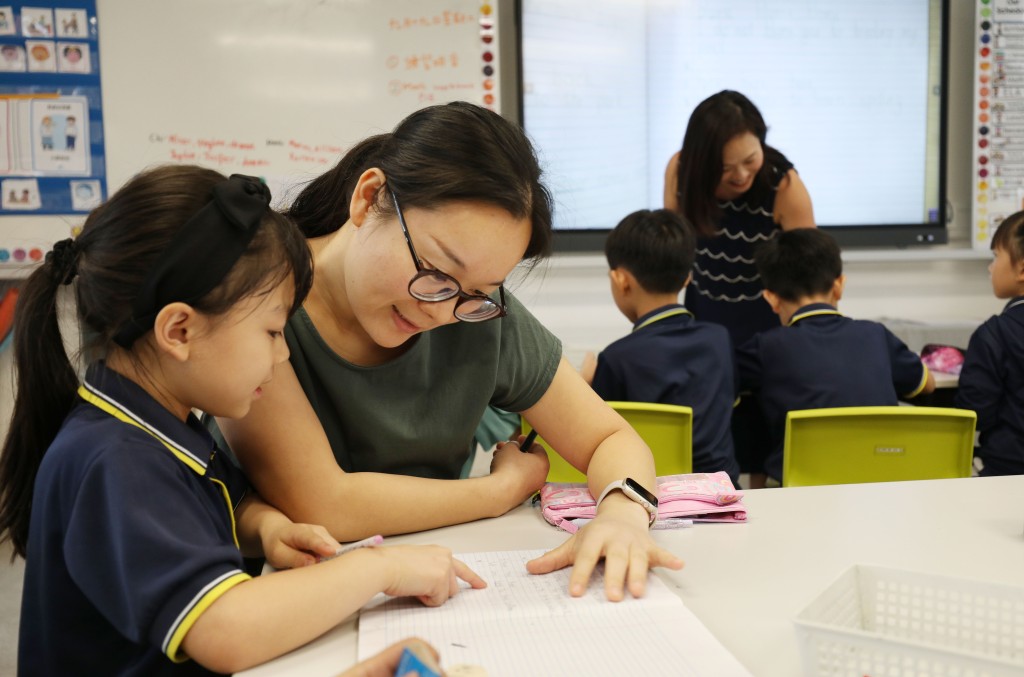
700, 497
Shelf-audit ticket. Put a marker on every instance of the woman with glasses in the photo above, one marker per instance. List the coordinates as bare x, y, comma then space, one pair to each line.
409, 334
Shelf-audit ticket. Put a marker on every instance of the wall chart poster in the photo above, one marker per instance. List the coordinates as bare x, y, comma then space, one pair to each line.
51, 116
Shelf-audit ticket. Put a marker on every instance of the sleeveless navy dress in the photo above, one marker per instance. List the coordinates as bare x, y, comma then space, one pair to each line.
726, 288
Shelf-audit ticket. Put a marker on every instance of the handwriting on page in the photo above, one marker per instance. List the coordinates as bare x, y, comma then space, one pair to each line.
523, 624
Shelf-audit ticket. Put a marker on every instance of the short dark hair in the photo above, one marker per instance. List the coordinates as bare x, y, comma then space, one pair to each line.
658, 247
1009, 236
437, 155
799, 263
715, 121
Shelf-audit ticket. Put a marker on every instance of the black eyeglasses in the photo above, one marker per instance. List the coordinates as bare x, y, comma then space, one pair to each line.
433, 286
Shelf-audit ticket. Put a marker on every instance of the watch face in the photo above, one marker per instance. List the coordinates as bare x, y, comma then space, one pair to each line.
647, 496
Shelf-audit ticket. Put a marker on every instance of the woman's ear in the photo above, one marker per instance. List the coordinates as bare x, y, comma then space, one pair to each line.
175, 329
365, 194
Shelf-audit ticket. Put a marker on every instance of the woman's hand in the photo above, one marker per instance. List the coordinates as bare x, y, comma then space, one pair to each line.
386, 662
427, 572
521, 473
620, 536
291, 545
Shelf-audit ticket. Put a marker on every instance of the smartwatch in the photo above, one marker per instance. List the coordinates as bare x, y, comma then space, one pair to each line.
635, 491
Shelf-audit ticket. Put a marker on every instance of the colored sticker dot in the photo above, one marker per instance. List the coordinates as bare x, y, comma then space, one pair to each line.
4, 255
985, 25
35, 254
983, 198
985, 51
985, 38
488, 70
486, 10
983, 130
986, 12
983, 105
488, 39
19, 254
983, 143
488, 85
983, 185
983, 173
983, 78
985, 65
488, 98
488, 57
983, 118
982, 160
983, 91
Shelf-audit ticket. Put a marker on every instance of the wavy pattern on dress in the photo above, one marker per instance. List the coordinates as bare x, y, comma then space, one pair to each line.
744, 207
728, 299
756, 237
725, 278
722, 255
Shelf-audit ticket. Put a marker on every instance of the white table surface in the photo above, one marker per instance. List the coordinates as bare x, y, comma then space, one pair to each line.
747, 582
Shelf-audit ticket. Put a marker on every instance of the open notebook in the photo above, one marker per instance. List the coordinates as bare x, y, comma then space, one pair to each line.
529, 625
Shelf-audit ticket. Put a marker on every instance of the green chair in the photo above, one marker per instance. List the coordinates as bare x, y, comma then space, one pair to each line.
666, 428
849, 445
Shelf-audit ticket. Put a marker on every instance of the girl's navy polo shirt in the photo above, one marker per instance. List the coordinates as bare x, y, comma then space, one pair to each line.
131, 537
820, 360
992, 384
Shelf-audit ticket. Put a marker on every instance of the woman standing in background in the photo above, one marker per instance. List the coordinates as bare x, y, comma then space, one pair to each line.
736, 191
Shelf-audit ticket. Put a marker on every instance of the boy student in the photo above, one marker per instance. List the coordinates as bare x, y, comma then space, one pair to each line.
818, 358
992, 376
669, 357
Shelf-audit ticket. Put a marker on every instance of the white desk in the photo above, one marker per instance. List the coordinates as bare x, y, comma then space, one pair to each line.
746, 582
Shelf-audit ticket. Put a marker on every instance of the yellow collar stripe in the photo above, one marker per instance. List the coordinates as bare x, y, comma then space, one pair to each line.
662, 316
123, 417
811, 313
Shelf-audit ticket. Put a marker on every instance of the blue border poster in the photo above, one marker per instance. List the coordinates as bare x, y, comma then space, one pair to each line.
51, 114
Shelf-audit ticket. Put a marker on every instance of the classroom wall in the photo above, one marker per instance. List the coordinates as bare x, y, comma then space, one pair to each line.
945, 287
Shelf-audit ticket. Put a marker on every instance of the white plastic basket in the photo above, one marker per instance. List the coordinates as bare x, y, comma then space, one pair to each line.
880, 622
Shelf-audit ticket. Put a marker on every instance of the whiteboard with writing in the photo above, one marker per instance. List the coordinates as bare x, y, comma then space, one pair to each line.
274, 88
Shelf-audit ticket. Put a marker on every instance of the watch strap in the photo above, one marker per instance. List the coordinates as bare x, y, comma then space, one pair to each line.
620, 485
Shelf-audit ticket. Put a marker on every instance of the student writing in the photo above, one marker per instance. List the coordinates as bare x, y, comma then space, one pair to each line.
132, 524
818, 358
670, 357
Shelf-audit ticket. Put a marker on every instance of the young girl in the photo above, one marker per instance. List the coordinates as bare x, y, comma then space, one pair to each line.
132, 524
992, 376
737, 191
409, 334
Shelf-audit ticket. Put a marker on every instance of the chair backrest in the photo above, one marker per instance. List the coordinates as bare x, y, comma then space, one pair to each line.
849, 445
666, 428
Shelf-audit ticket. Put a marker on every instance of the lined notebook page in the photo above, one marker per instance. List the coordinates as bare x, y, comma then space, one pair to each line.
523, 624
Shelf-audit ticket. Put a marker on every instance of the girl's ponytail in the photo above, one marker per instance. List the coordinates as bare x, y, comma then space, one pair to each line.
46, 384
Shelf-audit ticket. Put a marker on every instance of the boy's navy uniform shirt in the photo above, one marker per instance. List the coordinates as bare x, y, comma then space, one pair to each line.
131, 537
992, 384
822, 359
670, 358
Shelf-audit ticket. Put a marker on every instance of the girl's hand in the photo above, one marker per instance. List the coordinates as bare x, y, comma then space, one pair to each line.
523, 473
297, 545
427, 572
386, 662
618, 534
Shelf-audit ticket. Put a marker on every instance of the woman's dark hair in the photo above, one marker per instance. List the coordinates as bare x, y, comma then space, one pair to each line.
440, 154
1009, 236
799, 263
121, 241
657, 247
715, 121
